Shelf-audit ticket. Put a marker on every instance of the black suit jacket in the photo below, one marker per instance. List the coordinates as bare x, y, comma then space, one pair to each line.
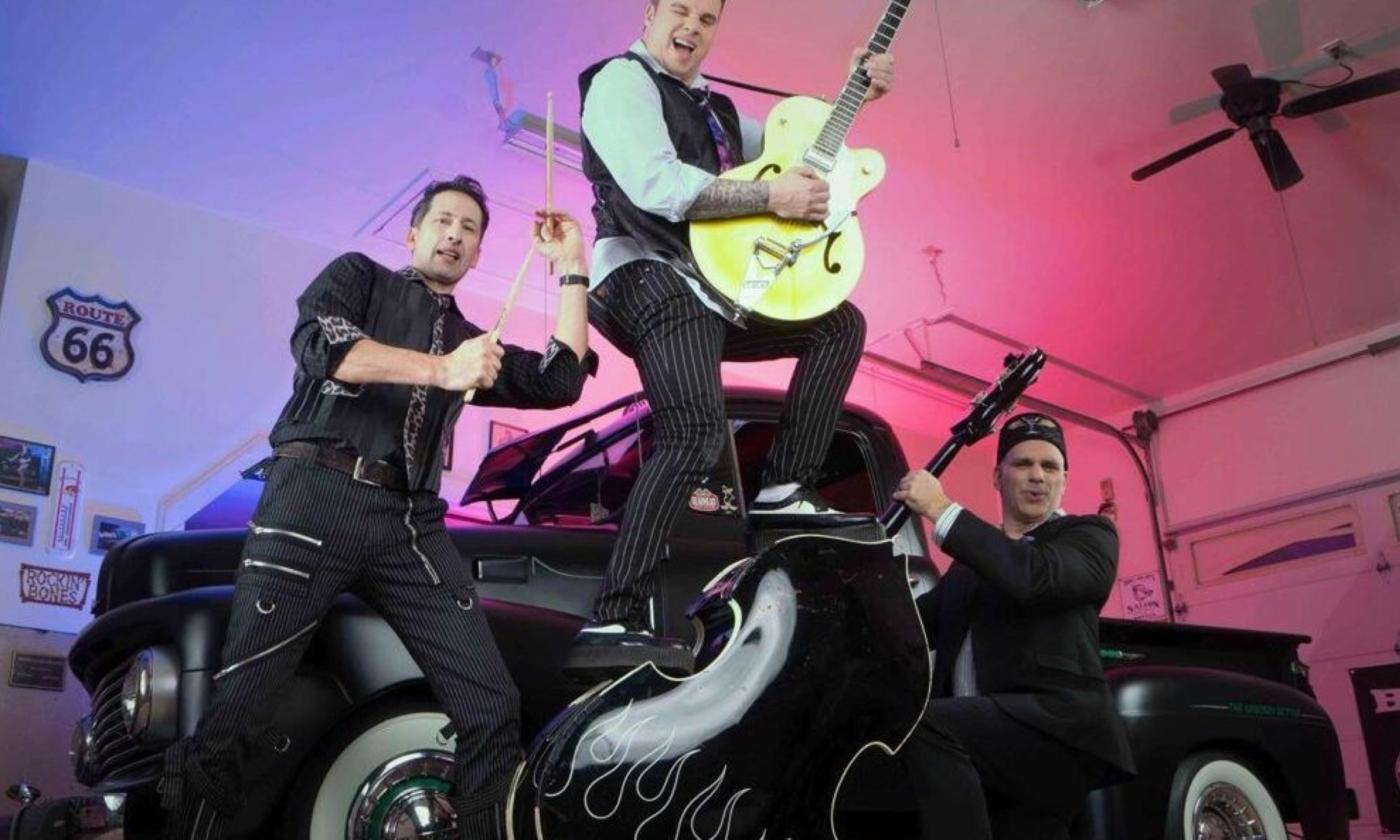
1033, 608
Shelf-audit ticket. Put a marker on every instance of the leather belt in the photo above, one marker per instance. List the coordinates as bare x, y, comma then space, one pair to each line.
377, 473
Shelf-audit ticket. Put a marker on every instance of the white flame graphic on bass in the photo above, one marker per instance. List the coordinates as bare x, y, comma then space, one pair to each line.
609, 742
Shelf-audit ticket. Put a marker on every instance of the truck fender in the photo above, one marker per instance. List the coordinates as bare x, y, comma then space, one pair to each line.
1173, 712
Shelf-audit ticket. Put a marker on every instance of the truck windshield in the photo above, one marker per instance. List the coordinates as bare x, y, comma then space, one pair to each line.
594, 491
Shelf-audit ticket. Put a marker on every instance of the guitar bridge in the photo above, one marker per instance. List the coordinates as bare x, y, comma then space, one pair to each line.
785, 253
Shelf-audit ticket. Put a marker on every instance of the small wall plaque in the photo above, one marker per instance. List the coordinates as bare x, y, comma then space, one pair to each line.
37, 671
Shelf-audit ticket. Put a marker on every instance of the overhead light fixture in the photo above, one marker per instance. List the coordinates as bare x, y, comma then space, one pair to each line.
526, 131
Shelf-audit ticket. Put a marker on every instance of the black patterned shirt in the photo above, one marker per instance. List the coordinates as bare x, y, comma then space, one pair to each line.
355, 297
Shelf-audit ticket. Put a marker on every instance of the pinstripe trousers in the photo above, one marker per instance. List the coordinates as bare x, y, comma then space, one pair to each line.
678, 344
317, 533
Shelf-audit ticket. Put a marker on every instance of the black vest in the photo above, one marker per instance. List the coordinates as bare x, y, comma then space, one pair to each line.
613, 211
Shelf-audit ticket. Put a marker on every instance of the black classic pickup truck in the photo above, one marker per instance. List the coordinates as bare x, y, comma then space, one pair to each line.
1227, 735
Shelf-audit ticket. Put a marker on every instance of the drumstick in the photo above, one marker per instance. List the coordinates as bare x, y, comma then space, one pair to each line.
519, 281
495, 334
549, 153
549, 161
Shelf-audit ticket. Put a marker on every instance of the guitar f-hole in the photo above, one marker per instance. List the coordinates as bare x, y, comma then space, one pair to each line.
776, 169
831, 267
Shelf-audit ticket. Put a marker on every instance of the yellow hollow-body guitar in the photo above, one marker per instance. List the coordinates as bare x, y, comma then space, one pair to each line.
782, 270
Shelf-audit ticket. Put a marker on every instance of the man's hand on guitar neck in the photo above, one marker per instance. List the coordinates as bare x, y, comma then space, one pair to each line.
879, 68
799, 194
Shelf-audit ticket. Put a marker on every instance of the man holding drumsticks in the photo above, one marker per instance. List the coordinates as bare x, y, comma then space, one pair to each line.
383, 359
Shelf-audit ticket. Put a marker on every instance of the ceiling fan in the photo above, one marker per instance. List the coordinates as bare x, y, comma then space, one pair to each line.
1251, 102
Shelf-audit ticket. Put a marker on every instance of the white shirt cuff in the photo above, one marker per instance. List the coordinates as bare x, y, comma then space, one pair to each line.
945, 523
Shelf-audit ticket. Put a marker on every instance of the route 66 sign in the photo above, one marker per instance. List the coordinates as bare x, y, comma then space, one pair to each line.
90, 336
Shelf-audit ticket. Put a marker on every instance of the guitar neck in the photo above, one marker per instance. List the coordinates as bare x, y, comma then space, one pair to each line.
843, 112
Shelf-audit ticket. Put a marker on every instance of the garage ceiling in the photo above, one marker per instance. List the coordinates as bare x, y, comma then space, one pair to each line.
1010, 139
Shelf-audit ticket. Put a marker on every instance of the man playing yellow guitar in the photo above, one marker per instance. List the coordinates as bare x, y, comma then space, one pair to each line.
655, 140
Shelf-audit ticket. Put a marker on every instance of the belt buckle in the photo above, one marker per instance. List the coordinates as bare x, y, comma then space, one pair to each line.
359, 472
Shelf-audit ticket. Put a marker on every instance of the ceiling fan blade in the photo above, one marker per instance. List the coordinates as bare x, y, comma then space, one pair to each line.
1187, 111
1365, 87
1183, 153
1279, 25
1232, 77
1278, 161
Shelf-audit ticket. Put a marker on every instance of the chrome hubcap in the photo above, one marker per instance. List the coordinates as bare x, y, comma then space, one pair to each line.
1224, 813
405, 798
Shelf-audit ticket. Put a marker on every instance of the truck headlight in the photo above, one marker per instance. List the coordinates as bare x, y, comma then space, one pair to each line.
150, 695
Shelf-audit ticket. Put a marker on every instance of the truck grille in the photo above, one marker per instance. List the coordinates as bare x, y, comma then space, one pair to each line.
113, 752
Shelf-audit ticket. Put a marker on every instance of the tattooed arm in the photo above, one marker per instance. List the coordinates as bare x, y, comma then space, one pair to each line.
725, 199
797, 194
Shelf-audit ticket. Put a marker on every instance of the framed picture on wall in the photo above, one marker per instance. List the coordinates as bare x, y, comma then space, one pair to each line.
25, 466
107, 531
502, 433
17, 523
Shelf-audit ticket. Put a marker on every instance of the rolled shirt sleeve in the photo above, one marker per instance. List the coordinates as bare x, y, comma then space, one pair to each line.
530, 379
331, 316
623, 121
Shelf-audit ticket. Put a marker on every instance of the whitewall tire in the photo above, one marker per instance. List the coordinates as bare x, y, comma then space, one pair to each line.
1215, 795
387, 764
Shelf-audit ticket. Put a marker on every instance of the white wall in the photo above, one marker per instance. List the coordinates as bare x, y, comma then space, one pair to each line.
211, 362
1332, 425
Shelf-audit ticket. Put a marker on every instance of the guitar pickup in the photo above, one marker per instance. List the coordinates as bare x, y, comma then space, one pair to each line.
819, 161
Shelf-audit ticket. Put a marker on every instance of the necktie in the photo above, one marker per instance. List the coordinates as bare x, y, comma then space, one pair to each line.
418, 397
717, 133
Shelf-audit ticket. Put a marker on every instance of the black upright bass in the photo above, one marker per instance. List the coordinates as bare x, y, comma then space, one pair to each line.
810, 652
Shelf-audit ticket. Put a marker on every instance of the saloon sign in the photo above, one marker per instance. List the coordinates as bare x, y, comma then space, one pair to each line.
89, 337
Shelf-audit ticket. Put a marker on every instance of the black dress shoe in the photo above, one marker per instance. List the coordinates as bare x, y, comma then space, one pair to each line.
607, 650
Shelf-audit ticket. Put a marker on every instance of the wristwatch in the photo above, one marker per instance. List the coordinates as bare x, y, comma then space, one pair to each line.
573, 280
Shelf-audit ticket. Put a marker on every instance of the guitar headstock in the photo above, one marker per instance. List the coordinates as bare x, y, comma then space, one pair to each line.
987, 407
